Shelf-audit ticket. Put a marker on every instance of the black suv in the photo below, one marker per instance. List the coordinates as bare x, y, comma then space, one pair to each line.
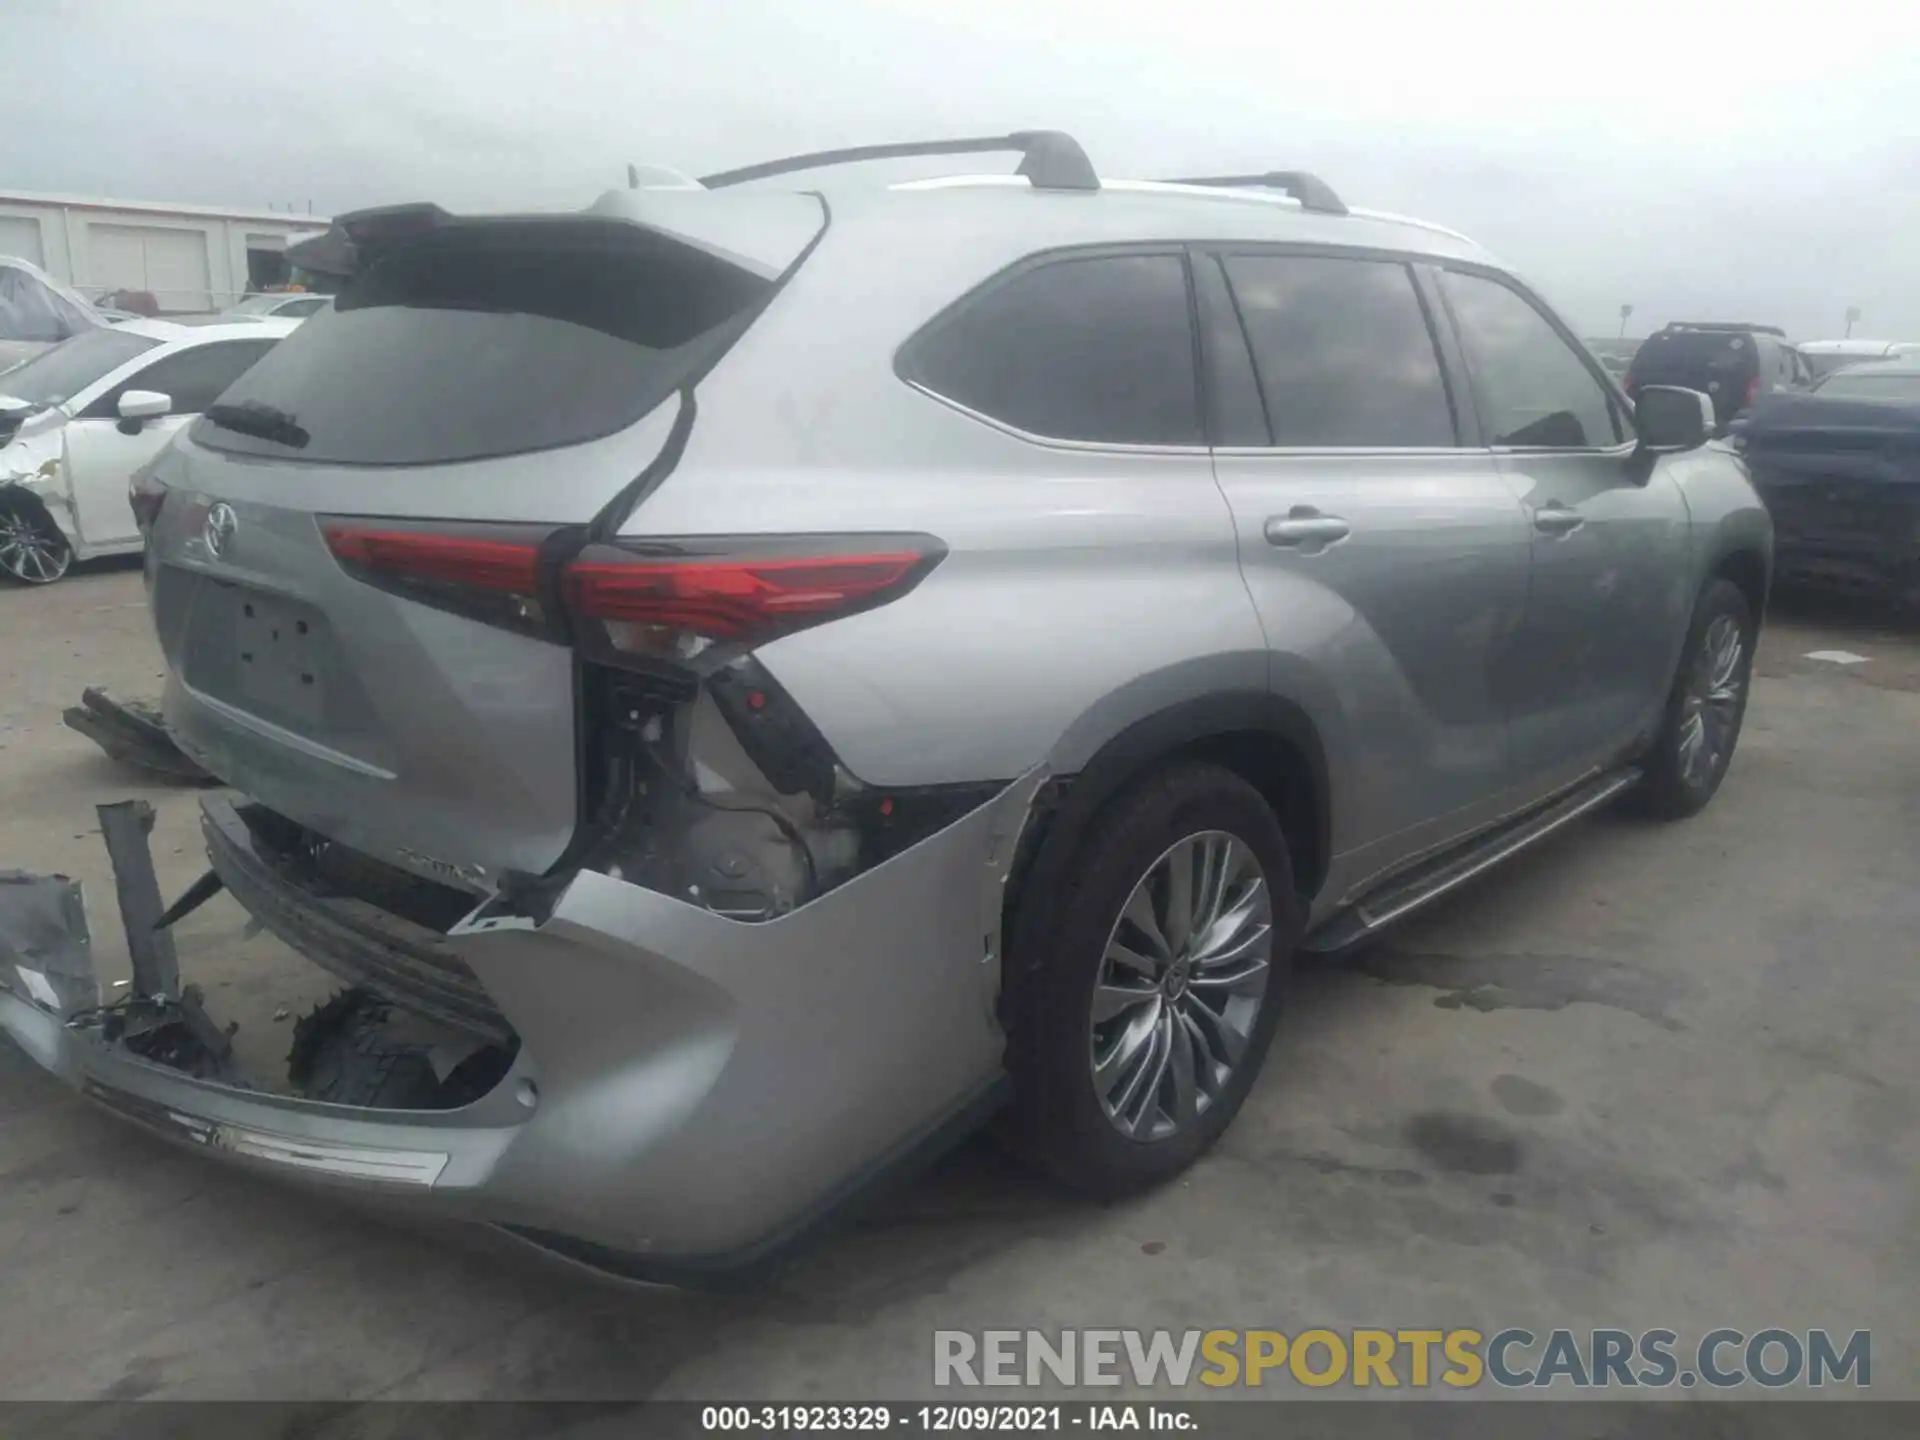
1734, 363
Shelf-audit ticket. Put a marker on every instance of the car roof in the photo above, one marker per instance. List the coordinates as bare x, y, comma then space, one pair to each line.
1855, 347
1906, 365
202, 328
1119, 212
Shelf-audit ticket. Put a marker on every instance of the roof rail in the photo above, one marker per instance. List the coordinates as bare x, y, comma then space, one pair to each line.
1052, 159
1725, 325
1310, 190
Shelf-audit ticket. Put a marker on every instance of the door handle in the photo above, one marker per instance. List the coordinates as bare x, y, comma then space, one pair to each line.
1305, 526
1553, 518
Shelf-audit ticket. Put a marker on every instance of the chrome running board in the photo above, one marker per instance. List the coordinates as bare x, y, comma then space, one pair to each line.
1407, 892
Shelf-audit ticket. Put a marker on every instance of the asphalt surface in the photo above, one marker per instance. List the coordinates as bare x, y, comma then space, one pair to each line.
1645, 1076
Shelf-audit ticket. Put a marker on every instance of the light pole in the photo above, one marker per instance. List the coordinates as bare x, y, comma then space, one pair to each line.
1625, 312
1853, 315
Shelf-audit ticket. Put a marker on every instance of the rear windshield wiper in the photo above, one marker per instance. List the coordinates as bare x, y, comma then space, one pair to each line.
263, 422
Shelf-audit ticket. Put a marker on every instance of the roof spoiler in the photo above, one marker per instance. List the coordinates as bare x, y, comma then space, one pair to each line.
1051, 159
335, 251
1310, 190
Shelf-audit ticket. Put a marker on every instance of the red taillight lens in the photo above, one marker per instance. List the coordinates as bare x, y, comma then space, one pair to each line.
489, 572
1753, 392
664, 600
436, 558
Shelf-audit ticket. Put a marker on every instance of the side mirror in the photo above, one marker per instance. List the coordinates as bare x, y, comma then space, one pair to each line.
1668, 419
139, 406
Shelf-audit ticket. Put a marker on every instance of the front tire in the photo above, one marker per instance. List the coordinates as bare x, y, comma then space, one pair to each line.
1694, 749
1148, 996
32, 549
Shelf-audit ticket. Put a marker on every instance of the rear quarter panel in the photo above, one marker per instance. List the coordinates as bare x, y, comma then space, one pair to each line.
1083, 586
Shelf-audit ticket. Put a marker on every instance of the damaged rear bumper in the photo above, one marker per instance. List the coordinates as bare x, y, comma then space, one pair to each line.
689, 1090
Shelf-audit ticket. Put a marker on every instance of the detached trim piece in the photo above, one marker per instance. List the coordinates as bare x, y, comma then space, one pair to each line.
1052, 159
407, 964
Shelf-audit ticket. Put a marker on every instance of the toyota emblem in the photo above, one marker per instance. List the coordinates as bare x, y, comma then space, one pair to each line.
222, 524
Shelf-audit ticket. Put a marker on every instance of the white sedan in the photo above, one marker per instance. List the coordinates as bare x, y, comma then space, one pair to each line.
77, 420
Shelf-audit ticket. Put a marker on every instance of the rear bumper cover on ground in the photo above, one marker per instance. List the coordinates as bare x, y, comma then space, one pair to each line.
688, 1089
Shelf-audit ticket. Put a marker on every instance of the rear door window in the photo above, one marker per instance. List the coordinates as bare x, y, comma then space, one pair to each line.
1343, 351
1535, 390
493, 339
1093, 348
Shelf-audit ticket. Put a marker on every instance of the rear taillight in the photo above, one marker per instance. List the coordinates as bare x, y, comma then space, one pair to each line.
673, 601
146, 497
486, 572
1753, 392
647, 599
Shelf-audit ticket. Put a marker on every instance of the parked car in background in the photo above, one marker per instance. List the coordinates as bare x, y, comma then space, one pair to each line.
127, 304
292, 305
1825, 356
37, 311
79, 418
1734, 364
1616, 354
1839, 468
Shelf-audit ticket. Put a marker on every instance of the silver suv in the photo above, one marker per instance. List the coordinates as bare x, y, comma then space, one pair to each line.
743, 682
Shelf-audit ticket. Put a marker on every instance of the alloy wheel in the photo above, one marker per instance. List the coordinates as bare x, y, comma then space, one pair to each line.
30, 551
1710, 711
1180, 985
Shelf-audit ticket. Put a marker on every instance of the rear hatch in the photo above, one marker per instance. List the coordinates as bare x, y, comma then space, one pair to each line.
1839, 471
1719, 363
337, 552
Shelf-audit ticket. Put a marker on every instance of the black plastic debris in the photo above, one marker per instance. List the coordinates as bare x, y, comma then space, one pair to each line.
45, 949
132, 732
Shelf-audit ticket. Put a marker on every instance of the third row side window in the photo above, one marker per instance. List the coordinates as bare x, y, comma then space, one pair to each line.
1097, 349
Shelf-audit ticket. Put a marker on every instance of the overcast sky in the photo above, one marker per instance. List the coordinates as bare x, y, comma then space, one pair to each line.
1700, 161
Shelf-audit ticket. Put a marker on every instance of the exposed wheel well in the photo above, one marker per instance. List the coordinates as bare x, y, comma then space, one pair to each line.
19, 501
1284, 776
1746, 569
1267, 741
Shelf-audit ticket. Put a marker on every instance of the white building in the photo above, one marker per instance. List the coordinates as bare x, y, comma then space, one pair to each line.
188, 257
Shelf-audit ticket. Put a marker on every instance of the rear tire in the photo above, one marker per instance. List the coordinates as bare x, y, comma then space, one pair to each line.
1694, 749
32, 549
1137, 1033
342, 1054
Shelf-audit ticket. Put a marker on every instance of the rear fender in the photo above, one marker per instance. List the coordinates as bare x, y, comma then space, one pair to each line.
1144, 723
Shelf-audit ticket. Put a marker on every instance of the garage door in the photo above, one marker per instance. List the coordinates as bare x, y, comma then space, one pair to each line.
20, 235
171, 265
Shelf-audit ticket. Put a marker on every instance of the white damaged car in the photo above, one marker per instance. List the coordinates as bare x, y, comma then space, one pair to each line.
77, 420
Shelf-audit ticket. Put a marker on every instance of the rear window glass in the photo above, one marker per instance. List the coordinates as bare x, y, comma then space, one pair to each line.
489, 341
